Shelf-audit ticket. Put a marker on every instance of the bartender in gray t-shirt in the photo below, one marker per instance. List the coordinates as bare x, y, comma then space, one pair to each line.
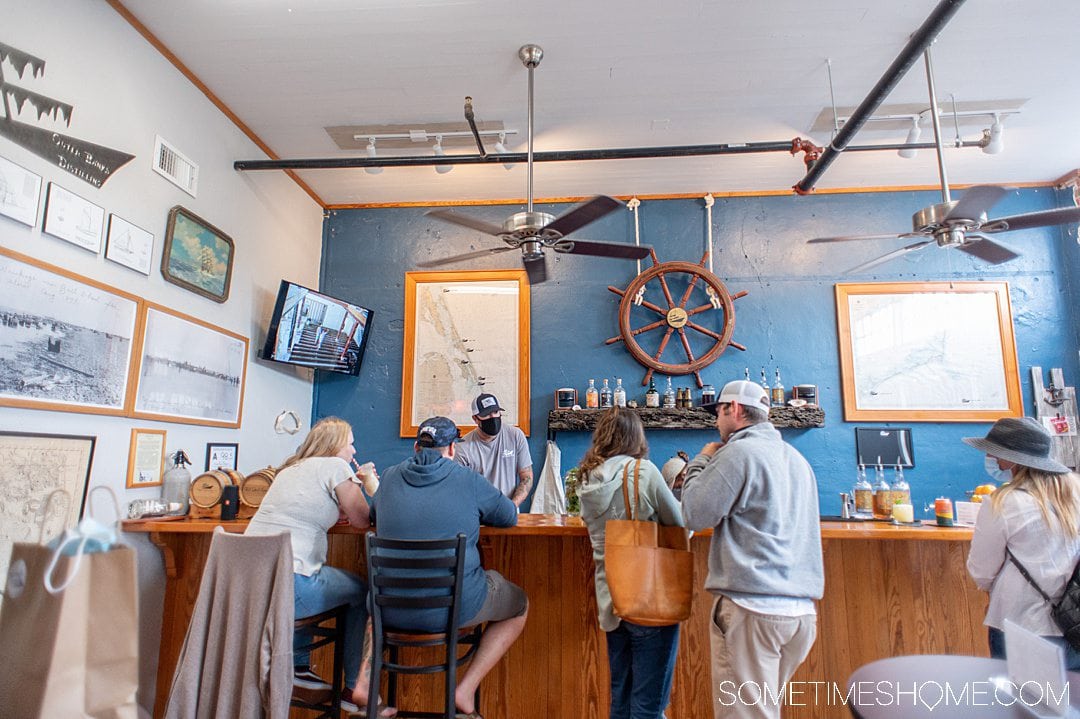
499, 453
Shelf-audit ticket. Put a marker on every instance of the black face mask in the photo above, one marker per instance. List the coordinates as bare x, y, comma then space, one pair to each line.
491, 425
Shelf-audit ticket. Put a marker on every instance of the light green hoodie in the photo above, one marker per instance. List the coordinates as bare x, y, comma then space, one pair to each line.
602, 499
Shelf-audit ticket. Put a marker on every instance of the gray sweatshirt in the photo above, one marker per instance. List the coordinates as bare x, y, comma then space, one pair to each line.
760, 496
602, 499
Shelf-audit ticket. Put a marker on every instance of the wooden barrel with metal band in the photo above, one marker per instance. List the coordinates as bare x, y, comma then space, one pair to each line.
206, 492
252, 490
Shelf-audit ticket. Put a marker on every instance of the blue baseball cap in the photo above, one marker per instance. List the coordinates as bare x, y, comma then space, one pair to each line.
437, 432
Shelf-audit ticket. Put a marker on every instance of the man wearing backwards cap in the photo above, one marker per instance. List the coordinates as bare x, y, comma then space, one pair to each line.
499, 453
760, 497
429, 496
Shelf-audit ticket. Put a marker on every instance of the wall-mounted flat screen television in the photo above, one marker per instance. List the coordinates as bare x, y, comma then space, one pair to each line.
311, 329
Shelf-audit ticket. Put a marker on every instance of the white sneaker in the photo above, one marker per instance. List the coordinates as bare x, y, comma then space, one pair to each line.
304, 678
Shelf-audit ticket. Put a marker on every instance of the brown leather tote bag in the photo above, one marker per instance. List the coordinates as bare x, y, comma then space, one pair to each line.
650, 570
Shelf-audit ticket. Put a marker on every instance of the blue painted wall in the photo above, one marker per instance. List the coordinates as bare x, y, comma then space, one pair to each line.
787, 320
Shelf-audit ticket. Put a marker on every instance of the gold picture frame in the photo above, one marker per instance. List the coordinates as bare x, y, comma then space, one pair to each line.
927, 352
146, 458
465, 333
197, 256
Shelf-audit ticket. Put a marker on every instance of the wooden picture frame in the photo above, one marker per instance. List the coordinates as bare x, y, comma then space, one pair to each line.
197, 256
67, 342
927, 352
222, 455
189, 371
73, 219
146, 458
22, 192
476, 323
129, 245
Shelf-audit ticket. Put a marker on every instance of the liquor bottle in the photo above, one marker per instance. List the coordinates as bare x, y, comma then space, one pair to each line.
778, 391
605, 395
620, 393
669, 395
864, 494
765, 383
652, 397
592, 398
901, 490
883, 503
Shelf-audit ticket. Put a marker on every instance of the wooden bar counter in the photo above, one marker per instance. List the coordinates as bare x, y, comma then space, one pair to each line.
889, 591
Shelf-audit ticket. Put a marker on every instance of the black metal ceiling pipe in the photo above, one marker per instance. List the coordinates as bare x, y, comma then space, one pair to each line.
918, 42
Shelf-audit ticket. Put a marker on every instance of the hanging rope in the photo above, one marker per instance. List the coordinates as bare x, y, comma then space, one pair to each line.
633, 206
709, 201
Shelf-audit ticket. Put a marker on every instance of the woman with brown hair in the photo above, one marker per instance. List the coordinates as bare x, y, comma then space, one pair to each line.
1032, 522
641, 659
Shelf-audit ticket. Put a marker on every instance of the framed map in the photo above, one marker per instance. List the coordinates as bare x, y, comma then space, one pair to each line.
927, 351
465, 333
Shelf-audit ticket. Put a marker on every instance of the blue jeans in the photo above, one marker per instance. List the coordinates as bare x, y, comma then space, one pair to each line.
997, 648
642, 661
326, 589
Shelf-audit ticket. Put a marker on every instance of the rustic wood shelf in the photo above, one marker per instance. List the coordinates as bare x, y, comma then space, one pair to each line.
584, 420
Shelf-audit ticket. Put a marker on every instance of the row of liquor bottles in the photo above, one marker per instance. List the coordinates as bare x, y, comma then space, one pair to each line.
605, 396
877, 499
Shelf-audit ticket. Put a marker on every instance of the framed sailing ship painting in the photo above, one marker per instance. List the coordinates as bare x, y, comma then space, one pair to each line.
197, 256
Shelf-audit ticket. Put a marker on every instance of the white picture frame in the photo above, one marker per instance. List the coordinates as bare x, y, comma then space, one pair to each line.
73, 219
129, 245
20, 193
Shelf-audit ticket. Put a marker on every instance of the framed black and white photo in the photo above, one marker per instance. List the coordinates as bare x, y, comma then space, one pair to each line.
20, 192
129, 245
221, 456
189, 371
71, 218
66, 341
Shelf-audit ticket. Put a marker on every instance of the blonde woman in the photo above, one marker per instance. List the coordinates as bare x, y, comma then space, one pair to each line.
311, 489
641, 659
1034, 522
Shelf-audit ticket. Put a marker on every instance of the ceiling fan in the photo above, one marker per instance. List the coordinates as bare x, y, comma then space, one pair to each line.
532, 232
963, 223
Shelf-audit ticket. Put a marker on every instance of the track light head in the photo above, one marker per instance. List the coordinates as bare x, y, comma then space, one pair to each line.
500, 149
437, 148
372, 154
993, 139
912, 137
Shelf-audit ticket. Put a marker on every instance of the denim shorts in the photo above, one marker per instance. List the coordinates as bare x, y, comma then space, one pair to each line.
505, 600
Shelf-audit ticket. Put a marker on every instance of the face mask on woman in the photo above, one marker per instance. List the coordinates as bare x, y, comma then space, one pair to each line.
996, 473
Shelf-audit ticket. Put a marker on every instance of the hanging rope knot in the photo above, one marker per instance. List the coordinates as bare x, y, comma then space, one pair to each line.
639, 296
633, 203
709, 200
714, 300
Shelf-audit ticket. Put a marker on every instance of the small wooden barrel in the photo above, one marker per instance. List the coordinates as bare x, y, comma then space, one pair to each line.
252, 490
206, 491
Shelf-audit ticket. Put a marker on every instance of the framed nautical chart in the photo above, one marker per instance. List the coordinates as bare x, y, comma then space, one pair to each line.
927, 351
465, 333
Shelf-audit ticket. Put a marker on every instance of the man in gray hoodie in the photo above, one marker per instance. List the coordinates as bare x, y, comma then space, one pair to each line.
430, 496
759, 496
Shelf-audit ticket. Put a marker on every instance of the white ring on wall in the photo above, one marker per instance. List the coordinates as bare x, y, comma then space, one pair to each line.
282, 425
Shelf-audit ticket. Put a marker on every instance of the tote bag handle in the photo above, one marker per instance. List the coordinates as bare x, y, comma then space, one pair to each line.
77, 537
626, 491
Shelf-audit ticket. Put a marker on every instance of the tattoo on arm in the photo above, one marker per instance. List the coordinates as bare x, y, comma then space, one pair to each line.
521, 491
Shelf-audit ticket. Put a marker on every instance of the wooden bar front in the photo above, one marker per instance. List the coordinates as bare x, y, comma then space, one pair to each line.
888, 591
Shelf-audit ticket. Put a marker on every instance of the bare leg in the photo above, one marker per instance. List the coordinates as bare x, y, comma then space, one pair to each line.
495, 643
363, 677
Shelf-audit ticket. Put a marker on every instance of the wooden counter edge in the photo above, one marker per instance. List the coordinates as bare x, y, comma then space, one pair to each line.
556, 525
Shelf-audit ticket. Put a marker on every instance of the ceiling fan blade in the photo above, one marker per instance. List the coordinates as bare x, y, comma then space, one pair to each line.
849, 238
582, 215
622, 250
536, 268
466, 256
889, 256
988, 250
465, 221
1062, 216
975, 202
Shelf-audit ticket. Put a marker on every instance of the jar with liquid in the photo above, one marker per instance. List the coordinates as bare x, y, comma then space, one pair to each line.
901, 490
864, 494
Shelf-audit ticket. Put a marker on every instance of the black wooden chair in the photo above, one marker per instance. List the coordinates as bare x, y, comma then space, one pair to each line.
323, 629
415, 574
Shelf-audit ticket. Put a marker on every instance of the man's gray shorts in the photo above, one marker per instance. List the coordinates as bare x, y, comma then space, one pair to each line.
505, 600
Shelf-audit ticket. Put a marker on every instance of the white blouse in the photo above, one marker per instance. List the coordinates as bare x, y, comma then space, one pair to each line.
1047, 554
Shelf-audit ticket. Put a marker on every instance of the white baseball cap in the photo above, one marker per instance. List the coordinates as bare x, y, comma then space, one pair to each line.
743, 392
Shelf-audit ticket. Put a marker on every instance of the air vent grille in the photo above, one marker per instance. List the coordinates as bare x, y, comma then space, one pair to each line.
175, 167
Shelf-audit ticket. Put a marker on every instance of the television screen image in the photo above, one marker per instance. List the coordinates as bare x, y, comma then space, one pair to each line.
311, 329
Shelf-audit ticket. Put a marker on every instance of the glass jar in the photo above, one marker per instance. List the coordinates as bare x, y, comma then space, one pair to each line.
708, 394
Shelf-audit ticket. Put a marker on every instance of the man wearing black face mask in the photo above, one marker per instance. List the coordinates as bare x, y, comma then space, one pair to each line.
499, 453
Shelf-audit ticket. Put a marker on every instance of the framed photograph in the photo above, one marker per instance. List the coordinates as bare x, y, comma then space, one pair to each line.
197, 256
66, 341
129, 245
451, 353
33, 467
20, 192
71, 218
927, 352
189, 371
146, 458
221, 456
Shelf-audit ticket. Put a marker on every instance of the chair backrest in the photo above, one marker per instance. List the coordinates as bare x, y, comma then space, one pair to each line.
415, 584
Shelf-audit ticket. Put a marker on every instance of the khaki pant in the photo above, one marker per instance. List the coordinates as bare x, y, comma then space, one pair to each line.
753, 657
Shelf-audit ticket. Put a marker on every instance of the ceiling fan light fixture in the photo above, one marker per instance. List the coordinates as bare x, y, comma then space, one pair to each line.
500, 149
912, 137
993, 139
371, 153
437, 148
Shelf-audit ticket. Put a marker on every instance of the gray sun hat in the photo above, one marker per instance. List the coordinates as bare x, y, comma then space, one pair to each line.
1021, 440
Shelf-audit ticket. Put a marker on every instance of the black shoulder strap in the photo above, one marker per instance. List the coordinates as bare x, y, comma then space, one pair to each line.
1027, 576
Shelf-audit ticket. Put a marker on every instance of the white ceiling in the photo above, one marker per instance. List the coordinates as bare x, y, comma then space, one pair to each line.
629, 74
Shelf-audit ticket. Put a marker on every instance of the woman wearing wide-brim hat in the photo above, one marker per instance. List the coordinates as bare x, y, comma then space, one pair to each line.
1035, 518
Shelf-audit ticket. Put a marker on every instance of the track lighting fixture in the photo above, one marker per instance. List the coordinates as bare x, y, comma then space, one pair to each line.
437, 148
912, 137
500, 149
371, 154
993, 140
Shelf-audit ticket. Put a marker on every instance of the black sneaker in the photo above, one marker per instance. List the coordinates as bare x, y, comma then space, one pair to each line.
304, 678
347, 704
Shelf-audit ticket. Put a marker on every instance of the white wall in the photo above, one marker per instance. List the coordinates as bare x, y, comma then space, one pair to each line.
124, 92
